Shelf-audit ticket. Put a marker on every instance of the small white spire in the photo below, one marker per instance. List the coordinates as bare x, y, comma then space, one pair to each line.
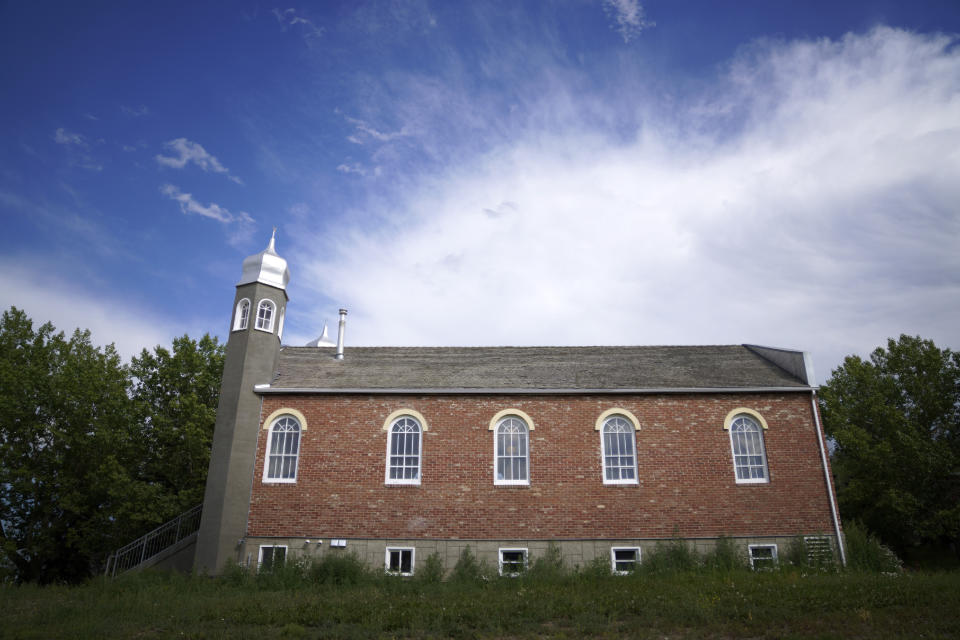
266, 267
324, 339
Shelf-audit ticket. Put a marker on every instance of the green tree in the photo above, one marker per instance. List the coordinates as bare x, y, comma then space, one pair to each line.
63, 424
175, 395
93, 453
895, 424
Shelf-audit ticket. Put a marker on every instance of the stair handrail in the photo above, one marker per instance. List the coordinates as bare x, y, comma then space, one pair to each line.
154, 542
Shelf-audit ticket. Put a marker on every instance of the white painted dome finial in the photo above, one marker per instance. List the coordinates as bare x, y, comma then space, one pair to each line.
266, 267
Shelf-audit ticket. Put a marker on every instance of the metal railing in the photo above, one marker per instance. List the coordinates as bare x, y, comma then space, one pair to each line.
150, 544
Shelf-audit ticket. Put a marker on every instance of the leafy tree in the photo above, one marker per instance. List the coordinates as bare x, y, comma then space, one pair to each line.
63, 411
94, 453
175, 395
895, 423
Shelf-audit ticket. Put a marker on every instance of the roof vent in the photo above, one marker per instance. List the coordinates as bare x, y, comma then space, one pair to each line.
343, 324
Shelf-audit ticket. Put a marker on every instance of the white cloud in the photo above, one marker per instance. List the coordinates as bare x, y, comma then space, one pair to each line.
109, 319
289, 18
62, 136
187, 152
628, 16
365, 132
242, 223
819, 214
135, 112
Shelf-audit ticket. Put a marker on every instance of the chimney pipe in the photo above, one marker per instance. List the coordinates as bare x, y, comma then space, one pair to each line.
343, 324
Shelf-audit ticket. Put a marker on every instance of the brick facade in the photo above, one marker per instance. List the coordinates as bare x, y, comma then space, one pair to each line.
686, 485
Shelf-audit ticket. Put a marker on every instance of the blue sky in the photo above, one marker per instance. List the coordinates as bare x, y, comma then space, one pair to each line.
571, 172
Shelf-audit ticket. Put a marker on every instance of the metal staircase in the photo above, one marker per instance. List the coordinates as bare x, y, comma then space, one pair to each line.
147, 547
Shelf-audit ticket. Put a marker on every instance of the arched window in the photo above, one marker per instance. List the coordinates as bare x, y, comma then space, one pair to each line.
619, 451
265, 315
511, 452
242, 317
403, 451
280, 325
749, 457
283, 449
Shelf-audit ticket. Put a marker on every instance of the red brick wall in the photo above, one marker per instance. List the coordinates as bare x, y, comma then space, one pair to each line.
686, 480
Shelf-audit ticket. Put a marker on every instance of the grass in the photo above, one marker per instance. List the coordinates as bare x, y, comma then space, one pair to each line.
346, 601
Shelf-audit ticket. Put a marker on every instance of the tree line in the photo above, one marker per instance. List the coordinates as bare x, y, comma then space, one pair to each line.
95, 452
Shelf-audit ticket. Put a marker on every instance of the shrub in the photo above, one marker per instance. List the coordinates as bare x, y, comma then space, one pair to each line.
802, 555
670, 557
866, 553
432, 570
726, 555
338, 569
468, 569
549, 566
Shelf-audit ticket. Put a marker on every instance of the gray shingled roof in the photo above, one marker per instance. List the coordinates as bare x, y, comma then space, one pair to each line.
530, 368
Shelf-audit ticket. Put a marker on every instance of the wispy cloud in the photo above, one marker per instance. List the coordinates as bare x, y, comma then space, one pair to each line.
365, 132
135, 112
213, 211
628, 16
78, 147
289, 18
62, 136
353, 167
820, 214
191, 152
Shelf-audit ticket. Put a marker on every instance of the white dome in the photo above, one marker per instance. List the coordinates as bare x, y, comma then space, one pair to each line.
266, 267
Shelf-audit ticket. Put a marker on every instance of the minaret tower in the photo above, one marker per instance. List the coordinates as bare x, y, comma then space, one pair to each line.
253, 350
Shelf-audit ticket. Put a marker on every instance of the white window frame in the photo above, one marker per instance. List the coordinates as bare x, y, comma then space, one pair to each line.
267, 478
526, 560
731, 426
613, 560
400, 550
624, 422
280, 324
501, 423
241, 319
266, 326
419, 453
774, 557
271, 546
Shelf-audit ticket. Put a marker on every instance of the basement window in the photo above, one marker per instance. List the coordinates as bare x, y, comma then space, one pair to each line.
624, 560
763, 556
271, 557
399, 560
513, 562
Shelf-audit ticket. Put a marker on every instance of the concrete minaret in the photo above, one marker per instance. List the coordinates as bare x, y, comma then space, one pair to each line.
253, 349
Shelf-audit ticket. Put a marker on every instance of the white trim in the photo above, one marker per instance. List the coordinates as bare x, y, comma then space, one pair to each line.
502, 417
741, 410
598, 425
386, 473
273, 315
413, 559
280, 324
613, 560
302, 419
751, 547
271, 546
405, 412
266, 453
526, 560
239, 322
513, 391
495, 420
752, 415
603, 449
